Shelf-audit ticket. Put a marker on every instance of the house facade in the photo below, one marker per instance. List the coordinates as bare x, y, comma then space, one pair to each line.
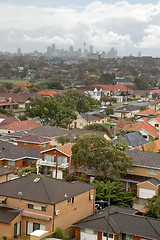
55, 159
43, 203
122, 224
143, 177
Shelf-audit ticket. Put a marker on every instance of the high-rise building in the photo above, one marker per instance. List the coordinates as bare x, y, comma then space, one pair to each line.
19, 51
91, 49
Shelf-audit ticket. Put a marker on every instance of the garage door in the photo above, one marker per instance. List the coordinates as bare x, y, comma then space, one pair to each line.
146, 193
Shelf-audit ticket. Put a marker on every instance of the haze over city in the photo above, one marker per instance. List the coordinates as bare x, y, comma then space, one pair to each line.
128, 26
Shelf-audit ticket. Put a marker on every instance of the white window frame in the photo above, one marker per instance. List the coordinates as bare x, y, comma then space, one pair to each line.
49, 158
61, 160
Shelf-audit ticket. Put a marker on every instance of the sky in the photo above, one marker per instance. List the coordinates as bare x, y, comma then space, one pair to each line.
128, 26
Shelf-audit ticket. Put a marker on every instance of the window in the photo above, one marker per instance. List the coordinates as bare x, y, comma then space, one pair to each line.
109, 235
48, 158
152, 171
81, 124
156, 125
12, 163
70, 200
24, 143
37, 207
61, 160
17, 229
131, 169
44, 145
34, 226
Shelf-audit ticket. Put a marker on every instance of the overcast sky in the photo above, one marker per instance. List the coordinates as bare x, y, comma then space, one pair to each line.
128, 26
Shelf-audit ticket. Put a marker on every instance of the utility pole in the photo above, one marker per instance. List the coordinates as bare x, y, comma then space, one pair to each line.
108, 212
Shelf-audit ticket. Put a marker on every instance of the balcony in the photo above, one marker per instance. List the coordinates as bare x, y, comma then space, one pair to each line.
40, 162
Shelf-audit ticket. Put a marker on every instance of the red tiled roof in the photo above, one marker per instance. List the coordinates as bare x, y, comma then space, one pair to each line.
157, 118
66, 148
47, 93
21, 125
152, 146
147, 127
149, 111
7, 120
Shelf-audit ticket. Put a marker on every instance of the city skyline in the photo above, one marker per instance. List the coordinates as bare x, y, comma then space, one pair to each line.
128, 26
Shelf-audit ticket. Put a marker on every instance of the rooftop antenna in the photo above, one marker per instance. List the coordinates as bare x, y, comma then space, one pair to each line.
20, 195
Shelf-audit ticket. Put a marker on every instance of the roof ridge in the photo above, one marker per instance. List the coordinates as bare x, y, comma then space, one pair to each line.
110, 217
46, 189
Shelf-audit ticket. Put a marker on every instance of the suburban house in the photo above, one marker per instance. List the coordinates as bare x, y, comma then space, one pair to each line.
126, 111
33, 141
7, 104
18, 157
46, 131
144, 177
155, 104
155, 121
37, 202
18, 126
147, 130
55, 160
144, 95
84, 119
147, 112
5, 174
122, 224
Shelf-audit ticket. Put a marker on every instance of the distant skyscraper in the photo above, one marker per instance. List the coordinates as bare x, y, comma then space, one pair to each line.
71, 49
53, 47
91, 49
112, 53
19, 51
139, 54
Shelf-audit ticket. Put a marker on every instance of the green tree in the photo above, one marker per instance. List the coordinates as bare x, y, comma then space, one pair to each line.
59, 233
108, 99
98, 127
109, 111
8, 86
141, 83
117, 194
104, 157
63, 139
51, 111
154, 207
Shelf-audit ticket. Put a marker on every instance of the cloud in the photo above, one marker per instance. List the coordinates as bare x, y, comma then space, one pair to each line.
121, 25
151, 40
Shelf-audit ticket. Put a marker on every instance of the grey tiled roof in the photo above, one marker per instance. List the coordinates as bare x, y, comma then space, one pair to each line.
89, 117
44, 131
144, 159
127, 108
154, 181
122, 222
5, 145
7, 214
20, 152
46, 190
133, 139
5, 170
75, 132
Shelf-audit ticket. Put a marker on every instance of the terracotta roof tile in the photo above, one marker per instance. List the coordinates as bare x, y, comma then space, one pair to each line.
147, 127
149, 111
66, 148
21, 125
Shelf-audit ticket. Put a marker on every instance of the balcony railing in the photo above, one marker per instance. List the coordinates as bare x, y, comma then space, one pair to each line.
52, 164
